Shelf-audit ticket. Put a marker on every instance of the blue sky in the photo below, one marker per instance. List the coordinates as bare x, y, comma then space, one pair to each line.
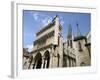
33, 21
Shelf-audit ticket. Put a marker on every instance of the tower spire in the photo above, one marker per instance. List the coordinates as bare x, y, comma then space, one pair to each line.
69, 35
78, 30
54, 18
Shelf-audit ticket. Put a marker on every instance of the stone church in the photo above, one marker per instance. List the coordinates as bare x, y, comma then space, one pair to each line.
50, 51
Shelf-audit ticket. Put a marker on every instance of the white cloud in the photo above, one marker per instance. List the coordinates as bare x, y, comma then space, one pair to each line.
46, 20
35, 16
62, 22
30, 47
34, 35
41, 18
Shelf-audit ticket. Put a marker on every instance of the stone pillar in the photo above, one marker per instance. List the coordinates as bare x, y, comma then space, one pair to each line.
51, 57
71, 62
42, 63
45, 63
50, 63
74, 62
67, 61
35, 65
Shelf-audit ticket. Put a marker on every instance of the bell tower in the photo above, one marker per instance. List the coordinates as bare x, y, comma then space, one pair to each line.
69, 37
80, 49
69, 55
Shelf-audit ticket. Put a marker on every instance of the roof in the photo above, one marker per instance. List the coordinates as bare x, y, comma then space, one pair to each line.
79, 38
45, 28
43, 38
26, 53
88, 44
51, 24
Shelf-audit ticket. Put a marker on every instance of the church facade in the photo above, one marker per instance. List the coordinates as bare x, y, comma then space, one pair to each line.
50, 51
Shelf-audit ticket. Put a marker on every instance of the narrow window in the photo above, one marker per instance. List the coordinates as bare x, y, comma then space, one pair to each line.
80, 46
58, 59
71, 43
68, 43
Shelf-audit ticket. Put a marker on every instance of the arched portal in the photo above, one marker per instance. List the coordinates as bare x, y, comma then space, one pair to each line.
38, 61
46, 59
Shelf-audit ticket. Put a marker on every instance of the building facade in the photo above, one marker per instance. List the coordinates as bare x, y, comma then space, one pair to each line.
48, 46
27, 59
50, 51
77, 49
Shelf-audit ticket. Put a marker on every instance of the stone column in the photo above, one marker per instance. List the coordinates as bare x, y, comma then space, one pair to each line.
42, 63
51, 60
45, 63
51, 57
35, 65
67, 61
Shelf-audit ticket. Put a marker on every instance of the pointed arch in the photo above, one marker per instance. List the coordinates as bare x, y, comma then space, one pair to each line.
38, 61
46, 59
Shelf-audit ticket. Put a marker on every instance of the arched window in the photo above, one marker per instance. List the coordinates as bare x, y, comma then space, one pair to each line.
80, 46
38, 61
46, 59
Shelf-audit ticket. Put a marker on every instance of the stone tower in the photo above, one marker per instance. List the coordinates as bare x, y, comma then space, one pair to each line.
82, 54
69, 58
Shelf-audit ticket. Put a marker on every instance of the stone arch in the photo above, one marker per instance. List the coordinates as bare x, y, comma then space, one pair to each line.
31, 59
46, 59
37, 61
82, 64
